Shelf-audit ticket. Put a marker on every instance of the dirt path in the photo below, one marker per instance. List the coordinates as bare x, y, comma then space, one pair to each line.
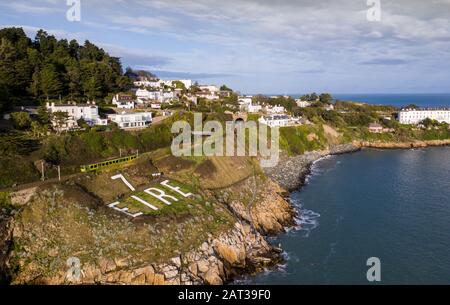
38, 183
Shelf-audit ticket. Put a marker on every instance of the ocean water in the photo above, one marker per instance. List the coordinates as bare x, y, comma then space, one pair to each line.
398, 100
389, 204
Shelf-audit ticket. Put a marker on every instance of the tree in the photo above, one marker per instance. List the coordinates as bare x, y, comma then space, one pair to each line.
50, 67
92, 88
412, 106
326, 98
82, 123
44, 116
60, 120
225, 88
21, 120
50, 81
7, 69
74, 80
38, 129
35, 86
430, 123
179, 85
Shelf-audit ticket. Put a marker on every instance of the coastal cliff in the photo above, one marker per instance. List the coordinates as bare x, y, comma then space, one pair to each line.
211, 243
52, 224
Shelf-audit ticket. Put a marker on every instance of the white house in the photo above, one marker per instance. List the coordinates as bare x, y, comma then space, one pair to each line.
149, 83
186, 82
159, 84
136, 120
245, 100
253, 108
275, 109
155, 105
329, 107
277, 120
210, 88
123, 101
87, 112
302, 104
415, 116
154, 95
208, 95
147, 94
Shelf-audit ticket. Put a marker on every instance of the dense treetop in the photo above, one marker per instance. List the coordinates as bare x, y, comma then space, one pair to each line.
34, 70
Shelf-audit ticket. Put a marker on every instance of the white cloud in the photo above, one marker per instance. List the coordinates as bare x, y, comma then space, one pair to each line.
29, 8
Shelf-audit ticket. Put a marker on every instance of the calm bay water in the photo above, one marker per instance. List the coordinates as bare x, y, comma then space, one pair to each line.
394, 205
398, 100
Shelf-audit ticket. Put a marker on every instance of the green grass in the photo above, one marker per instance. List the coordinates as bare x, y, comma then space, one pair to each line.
6, 206
183, 206
295, 139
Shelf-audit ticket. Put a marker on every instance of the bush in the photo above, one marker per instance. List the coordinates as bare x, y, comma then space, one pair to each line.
295, 139
94, 141
21, 120
358, 119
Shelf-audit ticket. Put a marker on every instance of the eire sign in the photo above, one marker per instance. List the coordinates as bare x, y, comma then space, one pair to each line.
156, 192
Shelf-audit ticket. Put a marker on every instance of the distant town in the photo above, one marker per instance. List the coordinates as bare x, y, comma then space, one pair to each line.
74, 104
153, 99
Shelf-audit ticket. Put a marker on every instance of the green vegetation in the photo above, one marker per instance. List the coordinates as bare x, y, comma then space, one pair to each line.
287, 102
47, 68
299, 139
6, 206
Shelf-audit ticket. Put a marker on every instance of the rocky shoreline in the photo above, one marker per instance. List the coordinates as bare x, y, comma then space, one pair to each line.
243, 249
403, 145
218, 260
291, 172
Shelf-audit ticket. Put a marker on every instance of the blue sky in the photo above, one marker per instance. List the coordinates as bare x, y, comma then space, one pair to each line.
263, 46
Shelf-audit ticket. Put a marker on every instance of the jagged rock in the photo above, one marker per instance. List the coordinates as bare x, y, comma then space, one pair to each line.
203, 266
106, 265
176, 261
121, 262
193, 268
91, 274
204, 247
159, 279
212, 277
139, 280
125, 276
232, 255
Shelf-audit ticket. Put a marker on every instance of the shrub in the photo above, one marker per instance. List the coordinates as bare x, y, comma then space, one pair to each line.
21, 120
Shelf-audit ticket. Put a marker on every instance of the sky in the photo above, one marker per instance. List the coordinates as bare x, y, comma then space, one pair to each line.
263, 46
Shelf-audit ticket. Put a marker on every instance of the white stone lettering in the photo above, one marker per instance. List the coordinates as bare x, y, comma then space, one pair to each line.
160, 195
144, 202
124, 210
175, 189
120, 176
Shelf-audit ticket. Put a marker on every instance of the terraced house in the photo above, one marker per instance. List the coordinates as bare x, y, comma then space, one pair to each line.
415, 116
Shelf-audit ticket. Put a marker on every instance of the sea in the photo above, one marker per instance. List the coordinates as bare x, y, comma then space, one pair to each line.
389, 205
425, 100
